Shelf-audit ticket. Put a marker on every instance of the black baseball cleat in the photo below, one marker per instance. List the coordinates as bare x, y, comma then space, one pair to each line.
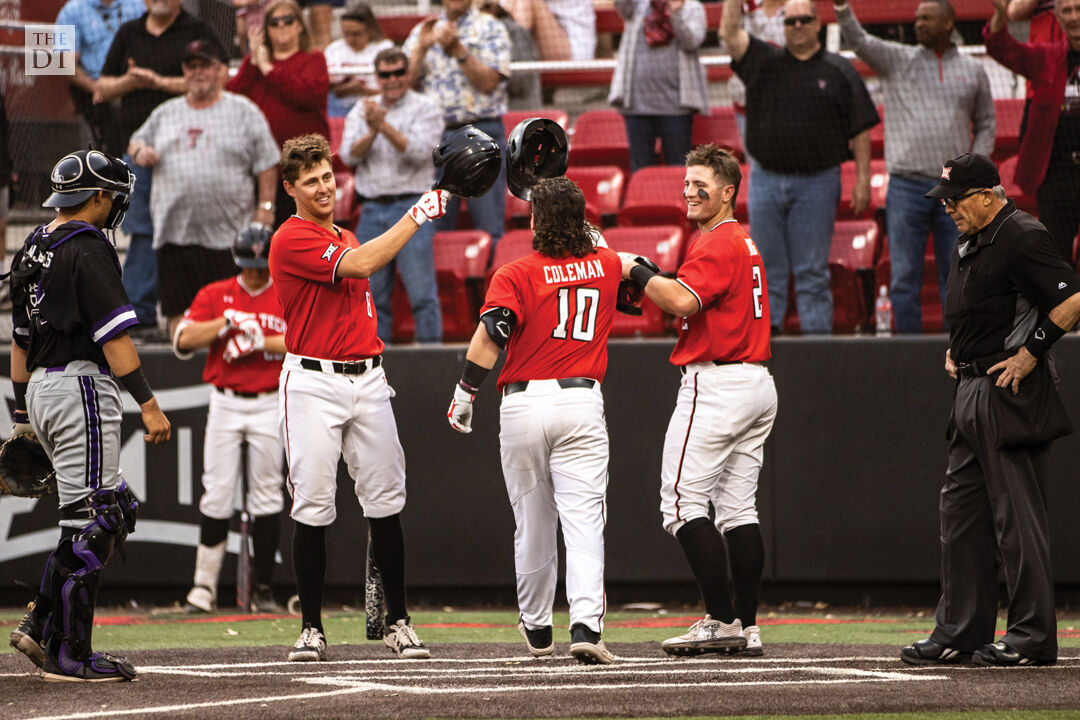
587, 648
26, 637
1000, 654
538, 641
928, 652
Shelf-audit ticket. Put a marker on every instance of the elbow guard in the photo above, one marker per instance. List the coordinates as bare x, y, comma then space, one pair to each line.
499, 323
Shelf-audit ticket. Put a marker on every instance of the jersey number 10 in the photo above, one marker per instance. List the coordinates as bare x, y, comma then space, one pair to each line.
581, 318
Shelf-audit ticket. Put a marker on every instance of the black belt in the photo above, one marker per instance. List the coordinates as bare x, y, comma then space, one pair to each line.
355, 367
979, 366
241, 394
564, 383
389, 198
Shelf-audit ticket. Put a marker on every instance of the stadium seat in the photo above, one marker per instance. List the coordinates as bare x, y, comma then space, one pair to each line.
877, 135
599, 138
664, 245
718, 127
929, 298
603, 188
654, 197
346, 209
1007, 136
512, 117
879, 185
1007, 169
337, 130
512, 245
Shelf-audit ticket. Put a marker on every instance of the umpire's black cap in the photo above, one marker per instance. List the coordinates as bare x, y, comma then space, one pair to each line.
967, 172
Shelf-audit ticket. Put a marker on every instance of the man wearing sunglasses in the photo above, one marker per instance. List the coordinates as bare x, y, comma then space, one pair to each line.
807, 111
1010, 297
940, 105
389, 138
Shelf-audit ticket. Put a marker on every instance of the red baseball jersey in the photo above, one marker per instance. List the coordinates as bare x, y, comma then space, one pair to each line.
564, 309
328, 317
726, 273
259, 371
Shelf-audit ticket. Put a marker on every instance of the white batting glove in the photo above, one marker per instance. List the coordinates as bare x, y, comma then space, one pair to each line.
460, 413
254, 332
238, 346
430, 206
238, 321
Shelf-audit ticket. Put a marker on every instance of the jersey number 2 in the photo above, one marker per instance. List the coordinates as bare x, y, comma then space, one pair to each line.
757, 291
581, 318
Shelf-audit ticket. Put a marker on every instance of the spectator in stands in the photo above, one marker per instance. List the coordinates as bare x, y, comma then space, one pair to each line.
561, 29
461, 58
523, 88
362, 39
1043, 26
213, 151
96, 23
389, 139
1048, 163
6, 176
807, 111
763, 19
659, 82
321, 17
938, 105
250, 15
288, 80
142, 70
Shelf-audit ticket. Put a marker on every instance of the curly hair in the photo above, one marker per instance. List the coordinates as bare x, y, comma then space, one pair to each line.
559, 224
302, 153
722, 163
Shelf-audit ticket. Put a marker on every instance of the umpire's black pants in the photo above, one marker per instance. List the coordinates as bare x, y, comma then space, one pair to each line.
991, 506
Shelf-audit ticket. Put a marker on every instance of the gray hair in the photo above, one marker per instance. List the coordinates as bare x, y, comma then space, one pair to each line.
999, 192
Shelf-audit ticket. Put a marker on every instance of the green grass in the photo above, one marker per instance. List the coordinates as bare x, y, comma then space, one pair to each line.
997, 715
170, 629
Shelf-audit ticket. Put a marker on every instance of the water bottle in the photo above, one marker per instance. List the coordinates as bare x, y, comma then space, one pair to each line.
883, 313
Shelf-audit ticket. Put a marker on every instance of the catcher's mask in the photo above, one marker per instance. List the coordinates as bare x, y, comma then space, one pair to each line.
470, 160
536, 149
79, 175
252, 247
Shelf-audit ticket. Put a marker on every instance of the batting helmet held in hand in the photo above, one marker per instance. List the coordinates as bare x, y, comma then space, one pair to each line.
536, 149
470, 160
252, 247
79, 175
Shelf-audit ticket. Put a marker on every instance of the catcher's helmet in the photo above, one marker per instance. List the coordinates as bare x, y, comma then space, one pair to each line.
536, 149
252, 247
470, 160
81, 174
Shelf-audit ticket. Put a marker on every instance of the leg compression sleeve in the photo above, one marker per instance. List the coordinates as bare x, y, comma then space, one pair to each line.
388, 546
704, 550
746, 552
309, 564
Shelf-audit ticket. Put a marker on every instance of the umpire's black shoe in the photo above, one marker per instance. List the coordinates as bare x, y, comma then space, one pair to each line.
1000, 654
928, 652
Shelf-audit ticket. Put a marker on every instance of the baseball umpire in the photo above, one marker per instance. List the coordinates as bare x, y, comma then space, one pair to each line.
1010, 296
333, 396
725, 408
69, 355
552, 311
240, 320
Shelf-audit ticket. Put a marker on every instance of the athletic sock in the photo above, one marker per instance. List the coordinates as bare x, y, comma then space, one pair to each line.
265, 535
704, 550
746, 552
388, 548
212, 531
309, 564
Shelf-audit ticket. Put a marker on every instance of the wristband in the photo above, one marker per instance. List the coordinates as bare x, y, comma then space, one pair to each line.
1044, 336
20, 417
641, 275
472, 377
20, 395
135, 383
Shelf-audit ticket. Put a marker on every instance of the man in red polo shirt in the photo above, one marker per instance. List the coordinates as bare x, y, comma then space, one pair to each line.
725, 408
333, 396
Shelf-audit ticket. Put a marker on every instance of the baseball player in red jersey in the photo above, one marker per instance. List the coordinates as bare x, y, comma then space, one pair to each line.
552, 310
241, 321
725, 409
333, 398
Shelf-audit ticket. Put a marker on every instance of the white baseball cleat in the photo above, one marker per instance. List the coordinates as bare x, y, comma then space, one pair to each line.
705, 636
310, 647
401, 638
753, 642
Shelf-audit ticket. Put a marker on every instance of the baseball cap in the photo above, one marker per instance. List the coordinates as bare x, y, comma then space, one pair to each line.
967, 172
203, 49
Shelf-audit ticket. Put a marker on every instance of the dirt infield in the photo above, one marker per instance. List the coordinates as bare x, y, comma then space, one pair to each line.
499, 681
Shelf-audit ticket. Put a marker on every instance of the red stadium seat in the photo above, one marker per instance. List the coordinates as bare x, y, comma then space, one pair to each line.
599, 138
718, 127
654, 197
603, 188
1007, 136
929, 297
879, 185
664, 245
346, 209
512, 245
1007, 169
877, 135
337, 130
512, 117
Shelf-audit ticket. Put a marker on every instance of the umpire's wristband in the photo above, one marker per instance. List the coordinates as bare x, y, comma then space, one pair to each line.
20, 396
641, 275
1044, 336
135, 383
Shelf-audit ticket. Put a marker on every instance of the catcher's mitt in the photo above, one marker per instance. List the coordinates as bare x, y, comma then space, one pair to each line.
25, 469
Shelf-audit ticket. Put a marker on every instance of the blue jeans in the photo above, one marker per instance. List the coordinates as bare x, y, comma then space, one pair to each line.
791, 218
489, 211
140, 261
674, 134
909, 220
416, 264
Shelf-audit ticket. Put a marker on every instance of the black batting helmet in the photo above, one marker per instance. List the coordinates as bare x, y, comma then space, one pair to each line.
470, 160
536, 149
252, 247
82, 173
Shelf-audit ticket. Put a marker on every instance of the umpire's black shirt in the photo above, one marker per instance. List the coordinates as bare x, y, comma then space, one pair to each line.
1003, 281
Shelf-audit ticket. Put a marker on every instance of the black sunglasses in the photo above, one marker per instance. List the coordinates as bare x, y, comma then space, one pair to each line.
387, 74
952, 202
281, 21
799, 20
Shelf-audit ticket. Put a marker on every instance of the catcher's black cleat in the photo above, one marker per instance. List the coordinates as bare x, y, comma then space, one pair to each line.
538, 641
26, 637
928, 652
1000, 654
99, 667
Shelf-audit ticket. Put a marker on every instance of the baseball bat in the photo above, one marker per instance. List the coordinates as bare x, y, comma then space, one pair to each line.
374, 597
243, 557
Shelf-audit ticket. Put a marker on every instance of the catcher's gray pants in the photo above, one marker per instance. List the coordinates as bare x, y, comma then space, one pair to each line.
75, 411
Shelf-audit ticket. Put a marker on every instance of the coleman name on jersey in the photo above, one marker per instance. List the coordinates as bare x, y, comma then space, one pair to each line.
573, 272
